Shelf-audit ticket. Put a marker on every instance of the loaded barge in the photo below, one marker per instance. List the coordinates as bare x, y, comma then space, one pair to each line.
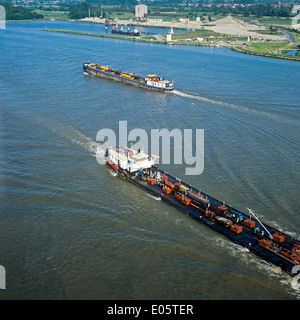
134, 33
152, 81
244, 229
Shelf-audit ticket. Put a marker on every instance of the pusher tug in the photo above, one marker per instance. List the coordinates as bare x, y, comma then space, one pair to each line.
246, 230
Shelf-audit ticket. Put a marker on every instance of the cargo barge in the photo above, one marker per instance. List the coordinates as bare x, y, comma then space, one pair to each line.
243, 229
134, 33
152, 81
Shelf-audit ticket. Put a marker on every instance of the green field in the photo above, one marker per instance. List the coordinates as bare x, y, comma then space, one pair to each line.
278, 33
270, 49
207, 35
53, 14
276, 21
194, 34
120, 15
141, 39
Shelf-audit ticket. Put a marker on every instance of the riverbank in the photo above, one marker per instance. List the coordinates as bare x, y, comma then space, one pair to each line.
264, 49
144, 39
149, 39
229, 26
269, 50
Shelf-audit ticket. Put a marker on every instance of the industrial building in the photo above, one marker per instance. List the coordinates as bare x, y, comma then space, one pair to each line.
141, 12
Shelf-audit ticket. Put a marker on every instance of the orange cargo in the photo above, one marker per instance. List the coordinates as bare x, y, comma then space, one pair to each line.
166, 190
178, 196
177, 185
186, 200
223, 208
151, 181
181, 187
170, 184
249, 223
236, 228
163, 177
278, 237
265, 243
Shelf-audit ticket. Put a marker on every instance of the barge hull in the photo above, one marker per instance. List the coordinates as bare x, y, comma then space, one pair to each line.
197, 210
106, 75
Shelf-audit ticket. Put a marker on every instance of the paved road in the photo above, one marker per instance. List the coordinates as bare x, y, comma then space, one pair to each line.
290, 37
160, 38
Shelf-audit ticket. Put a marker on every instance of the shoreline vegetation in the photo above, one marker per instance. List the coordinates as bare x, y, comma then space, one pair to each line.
149, 39
267, 55
263, 49
255, 30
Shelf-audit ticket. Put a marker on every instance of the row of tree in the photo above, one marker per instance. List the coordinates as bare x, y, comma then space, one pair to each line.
82, 10
19, 12
255, 10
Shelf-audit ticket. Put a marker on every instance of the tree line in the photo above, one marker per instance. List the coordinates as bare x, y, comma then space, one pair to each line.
80, 11
254, 10
19, 12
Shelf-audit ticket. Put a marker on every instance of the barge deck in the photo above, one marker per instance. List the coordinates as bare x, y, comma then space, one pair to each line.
243, 229
151, 82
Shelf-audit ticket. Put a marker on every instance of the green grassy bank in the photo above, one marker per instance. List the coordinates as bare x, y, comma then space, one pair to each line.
265, 49
269, 49
149, 39
142, 39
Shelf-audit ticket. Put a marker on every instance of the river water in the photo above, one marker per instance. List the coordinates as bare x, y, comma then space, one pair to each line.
71, 229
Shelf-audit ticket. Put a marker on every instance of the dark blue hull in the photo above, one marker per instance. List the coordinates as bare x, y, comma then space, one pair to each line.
115, 77
198, 209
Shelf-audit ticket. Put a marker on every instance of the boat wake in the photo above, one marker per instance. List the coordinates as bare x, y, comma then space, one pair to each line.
77, 138
67, 132
113, 173
240, 107
153, 197
194, 98
200, 98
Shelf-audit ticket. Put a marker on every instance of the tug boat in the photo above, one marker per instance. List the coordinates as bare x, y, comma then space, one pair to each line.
243, 229
152, 81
